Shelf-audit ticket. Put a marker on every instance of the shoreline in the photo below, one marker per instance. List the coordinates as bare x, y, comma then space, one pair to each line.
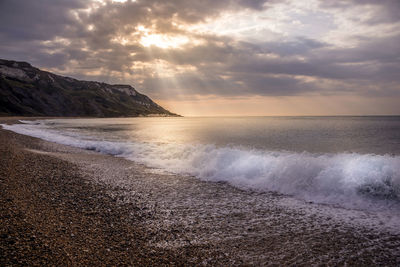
64, 205
52, 215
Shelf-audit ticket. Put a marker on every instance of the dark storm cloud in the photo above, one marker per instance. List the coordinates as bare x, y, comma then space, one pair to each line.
24, 25
56, 35
36, 20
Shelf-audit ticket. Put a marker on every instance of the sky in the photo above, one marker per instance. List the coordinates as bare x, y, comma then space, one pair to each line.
220, 57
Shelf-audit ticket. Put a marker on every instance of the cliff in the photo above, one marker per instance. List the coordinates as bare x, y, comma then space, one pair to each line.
29, 91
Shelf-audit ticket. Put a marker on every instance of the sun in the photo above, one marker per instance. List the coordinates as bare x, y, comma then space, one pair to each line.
161, 40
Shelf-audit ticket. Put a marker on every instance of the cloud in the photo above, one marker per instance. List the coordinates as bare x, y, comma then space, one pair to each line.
37, 20
103, 41
383, 11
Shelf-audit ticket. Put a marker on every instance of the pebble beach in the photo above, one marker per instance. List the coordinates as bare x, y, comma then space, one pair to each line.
67, 206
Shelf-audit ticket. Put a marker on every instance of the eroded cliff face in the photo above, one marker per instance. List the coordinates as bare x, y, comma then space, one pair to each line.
29, 91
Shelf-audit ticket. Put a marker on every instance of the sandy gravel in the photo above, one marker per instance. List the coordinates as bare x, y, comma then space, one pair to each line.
65, 206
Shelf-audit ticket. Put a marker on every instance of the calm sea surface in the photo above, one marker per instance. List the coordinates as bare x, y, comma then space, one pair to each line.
379, 135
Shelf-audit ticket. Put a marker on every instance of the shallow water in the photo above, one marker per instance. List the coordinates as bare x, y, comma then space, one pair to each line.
350, 161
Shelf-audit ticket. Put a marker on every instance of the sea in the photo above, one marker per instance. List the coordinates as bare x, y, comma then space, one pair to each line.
348, 161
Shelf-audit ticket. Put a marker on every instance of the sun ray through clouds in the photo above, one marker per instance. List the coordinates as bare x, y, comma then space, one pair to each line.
226, 49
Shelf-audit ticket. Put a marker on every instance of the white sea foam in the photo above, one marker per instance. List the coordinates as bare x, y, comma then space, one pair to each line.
348, 179
29, 122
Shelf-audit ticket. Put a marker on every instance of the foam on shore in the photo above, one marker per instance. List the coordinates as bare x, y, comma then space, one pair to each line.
353, 180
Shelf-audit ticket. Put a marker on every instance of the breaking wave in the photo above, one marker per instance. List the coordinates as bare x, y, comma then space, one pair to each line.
349, 179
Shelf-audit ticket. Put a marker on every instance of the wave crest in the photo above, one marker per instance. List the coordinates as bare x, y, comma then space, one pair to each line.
348, 179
